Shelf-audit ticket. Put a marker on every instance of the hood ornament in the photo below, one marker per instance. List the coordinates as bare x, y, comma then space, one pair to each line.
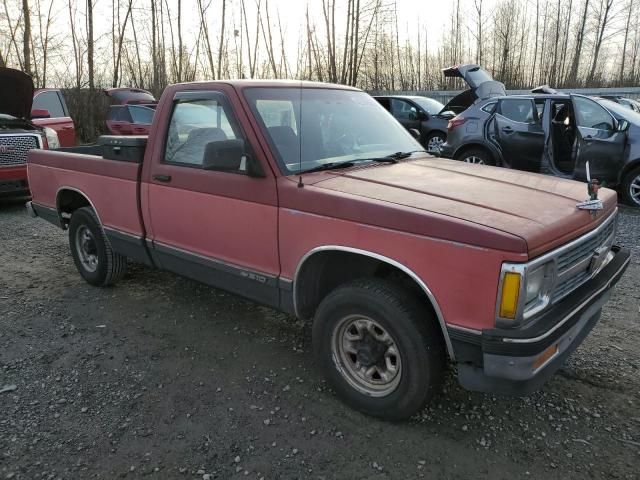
593, 203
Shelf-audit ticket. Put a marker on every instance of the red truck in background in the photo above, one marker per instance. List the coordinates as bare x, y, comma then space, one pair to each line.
312, 199
50, 110
131, 111
22, 128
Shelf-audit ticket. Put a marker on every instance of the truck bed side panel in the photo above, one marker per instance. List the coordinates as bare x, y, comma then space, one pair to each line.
110, 186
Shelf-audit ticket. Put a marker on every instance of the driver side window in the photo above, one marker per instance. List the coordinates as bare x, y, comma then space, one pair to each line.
194, 124
591, 115
403, 110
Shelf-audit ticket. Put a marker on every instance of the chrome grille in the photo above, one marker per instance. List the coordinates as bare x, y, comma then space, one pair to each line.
573, 265
14, 148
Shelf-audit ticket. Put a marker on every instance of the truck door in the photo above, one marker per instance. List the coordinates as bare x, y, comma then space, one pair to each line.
598, 141
518, 132
216, 223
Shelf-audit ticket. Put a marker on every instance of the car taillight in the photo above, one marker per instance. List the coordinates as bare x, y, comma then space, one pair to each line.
455, 122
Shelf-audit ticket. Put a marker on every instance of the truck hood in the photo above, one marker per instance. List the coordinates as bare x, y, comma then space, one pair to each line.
19, 103
539, 210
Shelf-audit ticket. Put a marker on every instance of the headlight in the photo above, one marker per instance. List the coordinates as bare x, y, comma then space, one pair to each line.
52, 138
524, 291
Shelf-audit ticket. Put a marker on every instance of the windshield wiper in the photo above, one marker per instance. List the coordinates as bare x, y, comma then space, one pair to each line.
393, 158
330, 166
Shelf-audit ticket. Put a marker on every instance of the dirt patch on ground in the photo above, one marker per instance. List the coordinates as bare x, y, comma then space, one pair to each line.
163, 377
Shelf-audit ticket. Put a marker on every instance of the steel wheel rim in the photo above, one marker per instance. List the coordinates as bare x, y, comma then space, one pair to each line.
474, 160
435, 144
634, 190
86, 249
366, 355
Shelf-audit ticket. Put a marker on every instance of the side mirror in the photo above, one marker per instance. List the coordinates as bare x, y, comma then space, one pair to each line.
447, 114
623, 125
423, 115
230, 156
414, 133
40, 113
224, 155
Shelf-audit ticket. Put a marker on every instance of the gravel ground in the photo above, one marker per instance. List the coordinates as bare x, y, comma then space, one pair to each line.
162, 377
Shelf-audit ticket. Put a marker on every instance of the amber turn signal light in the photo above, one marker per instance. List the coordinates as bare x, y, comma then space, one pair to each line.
546, 355
510, 294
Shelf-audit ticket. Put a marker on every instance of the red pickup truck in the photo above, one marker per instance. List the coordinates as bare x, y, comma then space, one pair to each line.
27, 121
314, 200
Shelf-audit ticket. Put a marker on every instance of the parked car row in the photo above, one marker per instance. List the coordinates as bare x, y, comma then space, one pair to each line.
545, 132
555, 134
429, 117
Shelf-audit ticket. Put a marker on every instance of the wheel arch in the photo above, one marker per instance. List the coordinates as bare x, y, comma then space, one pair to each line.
629, 166
68, 200
323, 268
436, 130
483, 146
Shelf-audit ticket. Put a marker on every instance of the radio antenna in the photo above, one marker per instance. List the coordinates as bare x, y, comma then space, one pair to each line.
300, 184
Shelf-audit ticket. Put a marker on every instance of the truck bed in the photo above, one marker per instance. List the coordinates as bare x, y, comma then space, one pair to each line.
112, 186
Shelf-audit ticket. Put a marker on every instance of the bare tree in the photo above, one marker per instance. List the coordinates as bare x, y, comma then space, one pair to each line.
90, 45
603, 19
26, 38
626, 38
221, 47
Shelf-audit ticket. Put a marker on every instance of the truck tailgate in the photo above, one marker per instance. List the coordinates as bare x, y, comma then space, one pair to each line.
110, 186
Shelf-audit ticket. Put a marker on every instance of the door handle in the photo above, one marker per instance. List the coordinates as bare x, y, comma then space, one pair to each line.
162, 178
507, 129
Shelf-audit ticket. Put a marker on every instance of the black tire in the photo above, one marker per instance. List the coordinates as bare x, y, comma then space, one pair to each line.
413, 330
631, 180
480, 156
435, 136
109, 266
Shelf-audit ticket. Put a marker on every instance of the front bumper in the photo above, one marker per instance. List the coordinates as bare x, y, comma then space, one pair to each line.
518, 361
13, 181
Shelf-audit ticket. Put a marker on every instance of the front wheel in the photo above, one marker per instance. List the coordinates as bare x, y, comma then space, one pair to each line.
476, 156
97, 263
435, 141
379, 348
631, 188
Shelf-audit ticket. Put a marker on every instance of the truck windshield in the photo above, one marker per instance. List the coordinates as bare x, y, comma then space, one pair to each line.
311, 127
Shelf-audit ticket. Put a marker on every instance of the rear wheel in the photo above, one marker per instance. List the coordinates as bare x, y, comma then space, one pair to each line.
631, 187
476, 156
379, 348
98, 264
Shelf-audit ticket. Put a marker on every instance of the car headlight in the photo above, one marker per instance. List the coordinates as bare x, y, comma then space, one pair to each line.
524, 291
52, 138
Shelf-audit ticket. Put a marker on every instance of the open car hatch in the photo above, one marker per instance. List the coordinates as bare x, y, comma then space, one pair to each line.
481, 86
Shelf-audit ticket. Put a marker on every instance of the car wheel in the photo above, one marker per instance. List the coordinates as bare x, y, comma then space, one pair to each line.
97, 263
476, 156
379, 348
631, 188
435, 141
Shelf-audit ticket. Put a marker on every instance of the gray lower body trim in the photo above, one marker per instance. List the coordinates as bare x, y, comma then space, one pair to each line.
46, 213
131, 246
260, 287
